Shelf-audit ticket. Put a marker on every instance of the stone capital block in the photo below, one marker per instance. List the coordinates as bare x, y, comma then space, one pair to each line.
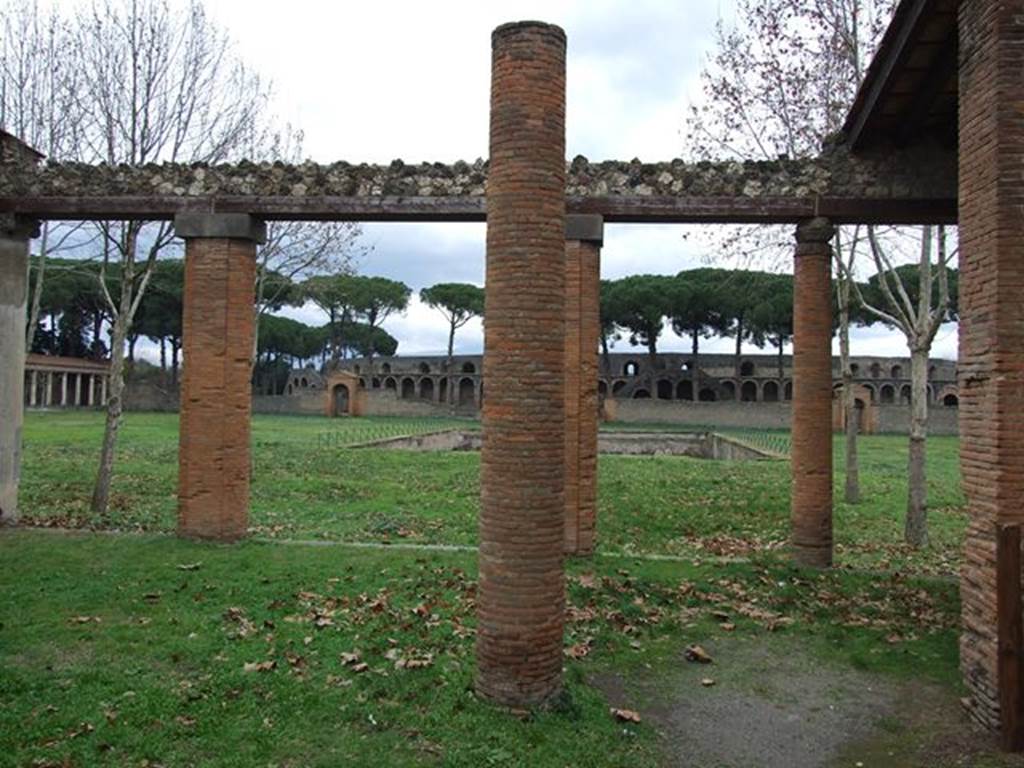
585, 227
228, 226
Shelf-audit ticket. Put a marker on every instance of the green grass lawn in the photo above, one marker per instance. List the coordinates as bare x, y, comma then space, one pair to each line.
116, 650
143, 650
308, 485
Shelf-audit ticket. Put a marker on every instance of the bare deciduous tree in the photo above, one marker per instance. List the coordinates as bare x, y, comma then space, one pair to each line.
156, 84
38, 104
917, 311
297, 250
779, 84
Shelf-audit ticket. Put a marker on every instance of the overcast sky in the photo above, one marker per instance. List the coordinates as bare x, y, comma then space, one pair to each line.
371, 82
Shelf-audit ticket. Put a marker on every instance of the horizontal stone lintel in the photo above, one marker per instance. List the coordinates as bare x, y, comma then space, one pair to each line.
914, 185
617, 209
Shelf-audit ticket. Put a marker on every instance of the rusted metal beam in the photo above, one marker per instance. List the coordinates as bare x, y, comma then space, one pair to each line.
615, 209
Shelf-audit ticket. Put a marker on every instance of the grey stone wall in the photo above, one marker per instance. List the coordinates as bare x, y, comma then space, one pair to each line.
303, 403
895, 419
915, 173
727, 414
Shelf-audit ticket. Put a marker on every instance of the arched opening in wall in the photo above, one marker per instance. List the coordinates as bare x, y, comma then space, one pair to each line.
641, 394
746, 368
386, 368
602, 388
303, 382
887, 395
896, 372
424, 368
876, 370
617, 387
707, 395
356, 369
341, 399
905, 394
728, 390
854, 369
685, 367
442, 390
408, 388
664, 389
951, 401
630, 369
871, 392
468, 368
362, 383
466, 392
787, 391
684, 390
748, 392
426, 388
770, 392
390, 383
375, 383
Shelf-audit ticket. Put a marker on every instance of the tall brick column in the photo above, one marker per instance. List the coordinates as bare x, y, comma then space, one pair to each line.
584, 236
812, 395
216, 389
522, 581
991, 366
14, 239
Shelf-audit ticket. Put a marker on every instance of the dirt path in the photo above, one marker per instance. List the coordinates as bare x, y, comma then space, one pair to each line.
773, 705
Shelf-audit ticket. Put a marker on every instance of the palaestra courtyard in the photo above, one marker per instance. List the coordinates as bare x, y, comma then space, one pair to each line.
295, 590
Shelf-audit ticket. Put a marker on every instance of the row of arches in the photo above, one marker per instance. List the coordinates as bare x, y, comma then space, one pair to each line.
632, 369
423, 368
665, 389
428, 388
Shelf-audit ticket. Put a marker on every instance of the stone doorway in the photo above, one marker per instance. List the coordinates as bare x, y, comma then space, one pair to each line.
341, 400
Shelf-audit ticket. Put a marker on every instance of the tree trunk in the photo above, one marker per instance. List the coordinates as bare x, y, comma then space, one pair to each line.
163, 355
851, 492
739, 346
175, 351
37, 291
450, 395
115, 408
606, 354
97, 331
652, 354
694, 368
781, 343
916, 530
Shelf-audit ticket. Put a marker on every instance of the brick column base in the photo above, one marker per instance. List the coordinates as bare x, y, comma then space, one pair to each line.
584, 237
521, 602
216, 384
812, 395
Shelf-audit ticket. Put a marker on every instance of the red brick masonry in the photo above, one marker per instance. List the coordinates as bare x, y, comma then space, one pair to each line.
991, 320
582, 336
522, 583
217, 337
812, 395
